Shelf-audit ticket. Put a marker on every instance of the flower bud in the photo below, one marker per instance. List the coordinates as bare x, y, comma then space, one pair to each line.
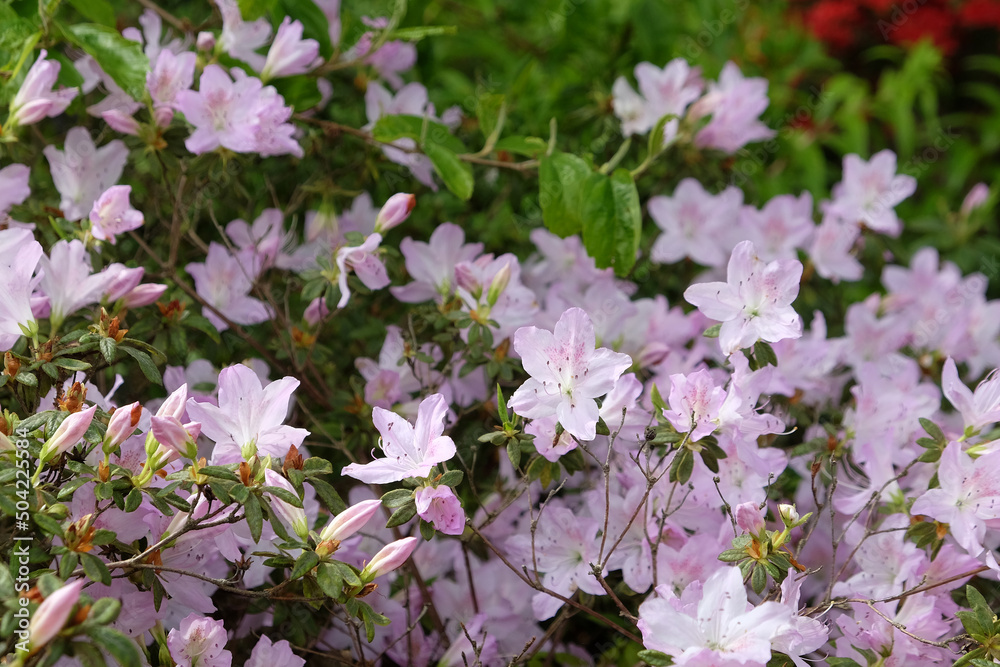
119, 121
350, 521
67, 435
170, 433
977, 196
11, 364
162, 116
143, 295
122, 425
749, 519
498, 285
294, 517
174, 405
394, 212
790, 516
52, 614
389, 558
205, 41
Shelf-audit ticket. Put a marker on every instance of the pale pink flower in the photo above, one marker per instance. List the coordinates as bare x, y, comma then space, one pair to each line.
440, 506
365, 263
977, 196
870, 191
273, 654
431, 265
567, 373
200, 641
240, 38
14, 187
410, 450
248, 414
82, 171
68, 434
968, 496
695, 404
720, 628
170, 74
225, 281
978, 409
289, 53
695, 224
19, 257
756, 301
350, 521
735, 103
35, 99
113, 214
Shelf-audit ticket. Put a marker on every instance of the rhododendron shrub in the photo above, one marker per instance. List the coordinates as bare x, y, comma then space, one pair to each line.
299, 370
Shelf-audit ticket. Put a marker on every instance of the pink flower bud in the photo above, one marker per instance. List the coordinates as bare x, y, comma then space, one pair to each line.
68, 434
119, 121
294, 517
389, 558
749, 518
205, 41
52, 614
173, 435
35, 99
977, 196
122, 280
289, 53
162, 116
316, 311
396, 210
350, 520
440, 506
498, 284
174, 405
143, 295
122, 425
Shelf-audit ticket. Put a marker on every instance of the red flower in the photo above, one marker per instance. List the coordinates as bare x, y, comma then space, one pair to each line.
834, 22
933, 22
980, 13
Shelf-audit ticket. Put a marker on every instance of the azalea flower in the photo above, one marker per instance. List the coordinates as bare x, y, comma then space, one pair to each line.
978, 409
695, 223
968, 496
248, 416
273, 654
113, 214
439, 506
695, 403
432, 265
756, 301
19, 257
82, 171
870, 192
411, 450
719, 628
735, 103
567, 373
289, 53
35, 99
225, 281
200, 641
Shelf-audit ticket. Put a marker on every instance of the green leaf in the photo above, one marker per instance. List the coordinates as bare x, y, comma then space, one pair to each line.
841, 662
390, 128
71, 364
514, 453
285, 495
203, 325
133, 500
933, 430
758, 580
301, 92
88, 655
47, 524
68, 564
418, 33
451, 478
612, 221
27, 379
526, 146
351, 577
329, 496
117, 644
316, 465
314, 22
561, 192
95, 569
330, 580
397, 498
426, 530
764, 354
307, 561
255, 517
104, 611
733, 555
98, 11
146, 364
251, 10
402, 515
489, 110
109, 348
655, 658
220, 472
712, 331
123, 60
457, 175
